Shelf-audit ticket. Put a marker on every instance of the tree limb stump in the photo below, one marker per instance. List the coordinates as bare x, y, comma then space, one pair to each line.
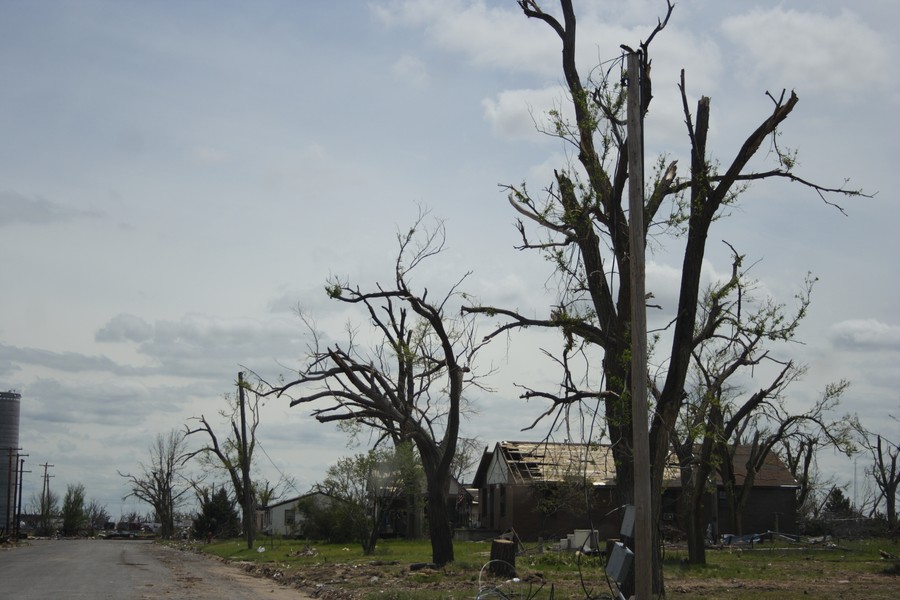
503, 558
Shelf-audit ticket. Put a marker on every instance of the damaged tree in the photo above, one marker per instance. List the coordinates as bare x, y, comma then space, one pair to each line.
885, 470
235, 453
583, 228
717, 417
158, 482
407, 387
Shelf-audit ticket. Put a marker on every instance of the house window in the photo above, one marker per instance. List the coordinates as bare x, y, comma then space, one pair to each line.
502, 500
289, 516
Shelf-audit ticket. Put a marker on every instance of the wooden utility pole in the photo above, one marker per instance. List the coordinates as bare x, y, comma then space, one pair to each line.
249, 513
45, 499
643, 532
18, 510
11, 488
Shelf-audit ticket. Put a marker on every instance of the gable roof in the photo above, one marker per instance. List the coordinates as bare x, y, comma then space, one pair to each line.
530, 462
773, 472
534, 462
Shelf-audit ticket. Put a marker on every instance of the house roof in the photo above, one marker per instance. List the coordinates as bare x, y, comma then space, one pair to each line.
530, 462
293, 500
533, 462
773, 472
550, 461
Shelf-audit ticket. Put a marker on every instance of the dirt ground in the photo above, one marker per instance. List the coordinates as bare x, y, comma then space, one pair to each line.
354, 581
203, 577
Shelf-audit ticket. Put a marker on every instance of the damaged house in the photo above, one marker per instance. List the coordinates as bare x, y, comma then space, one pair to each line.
548, 489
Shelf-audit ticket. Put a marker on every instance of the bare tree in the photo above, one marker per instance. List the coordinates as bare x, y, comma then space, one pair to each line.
46, 506
468, 455
96, 516
772, 424
718, 417
583, 228
234, 454
885, 470
409, 386
160, 483
265, 492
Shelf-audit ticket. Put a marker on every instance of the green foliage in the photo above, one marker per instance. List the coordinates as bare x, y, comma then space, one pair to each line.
218, 515
325, 521
365, 492
838, 504
73, 517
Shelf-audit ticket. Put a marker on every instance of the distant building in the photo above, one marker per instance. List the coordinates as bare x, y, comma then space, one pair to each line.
537, 488
284, 518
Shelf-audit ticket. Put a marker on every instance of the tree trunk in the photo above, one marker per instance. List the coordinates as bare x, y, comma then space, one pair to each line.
439, 521
693, 508
890, 503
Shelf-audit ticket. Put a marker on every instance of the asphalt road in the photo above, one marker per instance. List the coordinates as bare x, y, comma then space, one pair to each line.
124, 570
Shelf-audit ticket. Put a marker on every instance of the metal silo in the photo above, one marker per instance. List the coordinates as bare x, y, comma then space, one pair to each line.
9, 449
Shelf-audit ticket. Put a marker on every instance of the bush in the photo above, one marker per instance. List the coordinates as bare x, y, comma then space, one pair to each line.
327, 523
218, 516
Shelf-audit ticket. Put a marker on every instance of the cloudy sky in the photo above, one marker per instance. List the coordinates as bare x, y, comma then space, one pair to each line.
177, 178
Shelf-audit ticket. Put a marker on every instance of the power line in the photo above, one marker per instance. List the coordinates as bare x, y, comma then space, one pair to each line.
284, 477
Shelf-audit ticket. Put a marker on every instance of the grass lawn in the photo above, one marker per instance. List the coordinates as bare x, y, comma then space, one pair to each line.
847, 569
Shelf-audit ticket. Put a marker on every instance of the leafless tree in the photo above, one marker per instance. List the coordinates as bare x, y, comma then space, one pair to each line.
46, 506
409, 385
96, 516
772, 424
468, 455
885, 469
583, 227
161, 483
229, 454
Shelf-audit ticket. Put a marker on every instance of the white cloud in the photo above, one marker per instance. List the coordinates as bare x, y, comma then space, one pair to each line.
411, 70
523, 114
865, 335
487, 36
810, 51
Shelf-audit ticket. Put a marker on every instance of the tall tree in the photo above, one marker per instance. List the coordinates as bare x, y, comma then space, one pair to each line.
234, 454
409, 386
583, 227
160, 482
73, 517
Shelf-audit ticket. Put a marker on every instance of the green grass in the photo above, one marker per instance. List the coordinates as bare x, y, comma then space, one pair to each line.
777, 570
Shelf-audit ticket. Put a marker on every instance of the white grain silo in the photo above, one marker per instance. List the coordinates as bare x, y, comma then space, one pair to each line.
9, 451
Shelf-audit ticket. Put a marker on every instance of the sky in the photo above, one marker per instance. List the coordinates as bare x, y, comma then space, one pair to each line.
179, 179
